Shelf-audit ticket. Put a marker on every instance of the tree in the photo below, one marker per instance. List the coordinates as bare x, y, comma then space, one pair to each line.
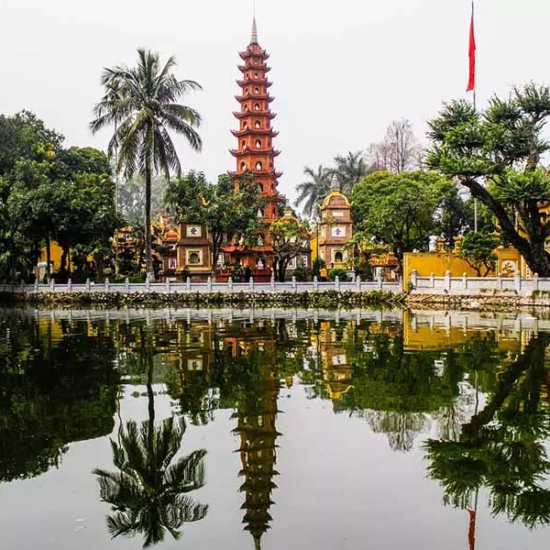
290, 239
496, 154
312, 191
478, 249
24, 135
399, 151
143, 112
398, 210
225, 209
349, 170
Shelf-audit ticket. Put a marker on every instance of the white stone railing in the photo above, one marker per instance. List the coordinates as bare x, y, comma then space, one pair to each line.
477, 285
206, 288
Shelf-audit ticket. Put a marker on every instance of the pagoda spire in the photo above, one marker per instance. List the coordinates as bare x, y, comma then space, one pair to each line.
254, 39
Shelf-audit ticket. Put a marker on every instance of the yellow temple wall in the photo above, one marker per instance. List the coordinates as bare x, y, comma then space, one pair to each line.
438, 263
55, 255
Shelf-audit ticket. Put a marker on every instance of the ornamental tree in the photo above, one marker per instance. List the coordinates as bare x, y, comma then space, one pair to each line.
290, 239
478, 250
496, 154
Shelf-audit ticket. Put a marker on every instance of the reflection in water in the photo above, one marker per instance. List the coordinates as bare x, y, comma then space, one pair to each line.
502, 447
481, 395
149, 490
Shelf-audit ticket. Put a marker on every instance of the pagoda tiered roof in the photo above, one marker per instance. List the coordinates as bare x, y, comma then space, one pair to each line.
269, 173
259, 97
255, 131
254, 152
253, 81
244, 114
253, 50
246, 68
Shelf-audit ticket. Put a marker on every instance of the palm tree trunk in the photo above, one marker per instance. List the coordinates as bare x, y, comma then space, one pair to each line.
148, 255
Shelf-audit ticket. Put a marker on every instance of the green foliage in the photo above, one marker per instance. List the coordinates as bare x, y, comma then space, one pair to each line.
496, 154
312, 191
300, 273
398, 210
478, 249
289, 238
338, 272
226, 210
141, 103
148, 493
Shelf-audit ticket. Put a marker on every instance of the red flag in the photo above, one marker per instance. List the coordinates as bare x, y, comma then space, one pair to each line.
472, 55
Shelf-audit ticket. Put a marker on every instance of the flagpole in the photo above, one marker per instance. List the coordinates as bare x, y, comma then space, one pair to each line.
472, 86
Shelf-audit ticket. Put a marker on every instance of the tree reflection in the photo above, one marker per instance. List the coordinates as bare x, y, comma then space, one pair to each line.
149, 491
58, 385
501, 448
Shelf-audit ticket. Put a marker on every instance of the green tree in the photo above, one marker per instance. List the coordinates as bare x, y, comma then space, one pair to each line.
398, 210
312, 191
496, 154
143, 112
290, 239
478, 249
225, 209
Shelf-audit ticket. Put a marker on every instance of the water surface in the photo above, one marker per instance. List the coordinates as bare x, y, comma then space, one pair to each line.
278, 429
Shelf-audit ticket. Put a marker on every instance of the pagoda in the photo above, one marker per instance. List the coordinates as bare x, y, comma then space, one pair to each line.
255, 153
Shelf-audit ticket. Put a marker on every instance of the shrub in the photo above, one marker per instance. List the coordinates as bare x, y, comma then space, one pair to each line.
338, 272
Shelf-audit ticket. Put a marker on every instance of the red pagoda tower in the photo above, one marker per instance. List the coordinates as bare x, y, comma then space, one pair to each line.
255, 153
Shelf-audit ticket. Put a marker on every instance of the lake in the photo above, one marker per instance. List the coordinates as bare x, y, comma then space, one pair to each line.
289, 429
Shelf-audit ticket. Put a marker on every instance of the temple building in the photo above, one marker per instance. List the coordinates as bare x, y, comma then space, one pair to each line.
255, 155
334, 230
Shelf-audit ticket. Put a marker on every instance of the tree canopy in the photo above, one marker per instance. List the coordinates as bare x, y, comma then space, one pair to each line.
497, 155
398, 210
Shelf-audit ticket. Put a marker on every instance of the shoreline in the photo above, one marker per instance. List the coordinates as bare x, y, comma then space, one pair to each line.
333, 299
324, 299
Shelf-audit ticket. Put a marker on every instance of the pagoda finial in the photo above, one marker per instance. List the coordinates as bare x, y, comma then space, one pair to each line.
254, 39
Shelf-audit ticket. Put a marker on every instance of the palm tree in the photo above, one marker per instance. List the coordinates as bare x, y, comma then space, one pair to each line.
142, 104
350, 169
148, 494
15, 263
312, 191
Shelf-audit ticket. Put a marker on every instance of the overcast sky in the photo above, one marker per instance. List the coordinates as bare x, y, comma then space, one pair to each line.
342, 70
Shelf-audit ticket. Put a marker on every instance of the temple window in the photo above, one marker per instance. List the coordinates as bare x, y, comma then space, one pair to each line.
258, 144
257, 124
246, 108
256, 75
261, 187
260, 243
194, 258
256, 106
256, 90
246, 90
259, 166
260, 213
243, 143
338, 257
245, 125
243, 165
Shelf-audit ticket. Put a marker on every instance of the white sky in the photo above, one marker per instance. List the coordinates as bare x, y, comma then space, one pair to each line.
342, 70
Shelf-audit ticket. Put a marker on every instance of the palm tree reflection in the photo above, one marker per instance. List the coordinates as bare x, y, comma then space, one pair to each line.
148, 494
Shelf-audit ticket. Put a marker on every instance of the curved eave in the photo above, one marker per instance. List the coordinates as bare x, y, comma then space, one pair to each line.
255, 82
259, 97
254, 152
256, 132
259, 68
258, 53
253, 114
263, 173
